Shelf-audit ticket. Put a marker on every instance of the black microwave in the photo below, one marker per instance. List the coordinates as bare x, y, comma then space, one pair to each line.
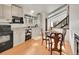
16, 19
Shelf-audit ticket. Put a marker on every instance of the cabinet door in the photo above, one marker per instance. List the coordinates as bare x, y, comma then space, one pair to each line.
7, 12
14, 11
1, 13
20, 12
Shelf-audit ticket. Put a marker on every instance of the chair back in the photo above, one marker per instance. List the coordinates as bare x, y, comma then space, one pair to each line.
58, 38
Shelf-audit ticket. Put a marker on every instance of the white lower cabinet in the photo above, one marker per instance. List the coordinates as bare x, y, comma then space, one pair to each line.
18, 36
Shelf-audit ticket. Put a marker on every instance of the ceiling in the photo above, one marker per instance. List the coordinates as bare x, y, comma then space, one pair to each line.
39, 7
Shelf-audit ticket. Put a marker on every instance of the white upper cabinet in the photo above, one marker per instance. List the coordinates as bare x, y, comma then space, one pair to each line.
16, 11
20, 12
7, 12
1, 11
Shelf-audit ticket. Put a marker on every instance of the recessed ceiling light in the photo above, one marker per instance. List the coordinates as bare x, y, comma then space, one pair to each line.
32, 11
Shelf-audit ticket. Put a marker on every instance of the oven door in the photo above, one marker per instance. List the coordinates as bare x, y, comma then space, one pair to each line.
6, 42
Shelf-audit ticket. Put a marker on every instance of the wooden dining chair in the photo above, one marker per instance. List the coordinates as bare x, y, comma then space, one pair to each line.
58, 40
44, 38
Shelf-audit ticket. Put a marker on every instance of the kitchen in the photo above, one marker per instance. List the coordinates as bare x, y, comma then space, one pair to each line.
27, 21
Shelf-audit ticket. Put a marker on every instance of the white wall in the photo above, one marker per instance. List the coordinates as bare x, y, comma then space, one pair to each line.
44, 15
74, 24
59, 17
56, 19
52, 7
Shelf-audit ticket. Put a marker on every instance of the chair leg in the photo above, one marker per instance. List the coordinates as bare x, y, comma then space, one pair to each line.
42, 42
60, 49
46, 43
51, 48
60, 52
77, 48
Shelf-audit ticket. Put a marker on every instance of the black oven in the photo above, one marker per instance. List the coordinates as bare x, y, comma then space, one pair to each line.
6, 37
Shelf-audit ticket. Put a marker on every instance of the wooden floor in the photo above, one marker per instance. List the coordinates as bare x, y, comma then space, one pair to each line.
34, 47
